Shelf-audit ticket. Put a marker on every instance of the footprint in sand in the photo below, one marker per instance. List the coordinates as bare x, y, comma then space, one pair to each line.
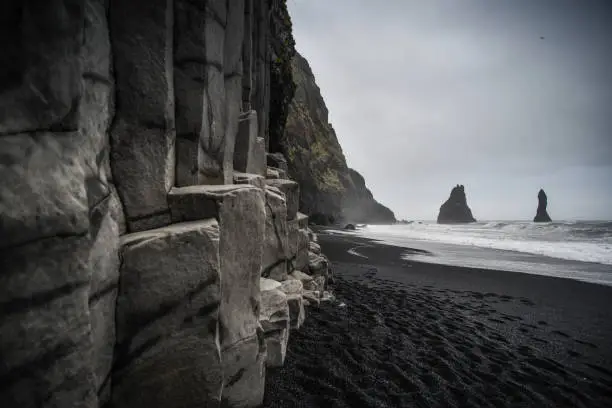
600, 369
586, 343
539, 340
560, 333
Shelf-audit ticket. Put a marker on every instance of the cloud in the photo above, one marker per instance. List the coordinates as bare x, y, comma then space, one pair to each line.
425, 95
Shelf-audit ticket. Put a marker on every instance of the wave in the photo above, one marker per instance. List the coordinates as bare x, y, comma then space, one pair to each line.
576, 240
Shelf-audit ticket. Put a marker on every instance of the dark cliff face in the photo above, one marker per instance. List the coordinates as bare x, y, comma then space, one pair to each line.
282, 87
359, 206
541, 213
456, 210
329, 190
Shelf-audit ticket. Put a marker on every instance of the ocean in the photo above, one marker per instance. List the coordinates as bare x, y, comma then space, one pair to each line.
579, 250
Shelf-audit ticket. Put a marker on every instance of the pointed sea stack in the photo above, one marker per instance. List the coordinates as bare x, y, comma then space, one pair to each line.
542, 214
455, 210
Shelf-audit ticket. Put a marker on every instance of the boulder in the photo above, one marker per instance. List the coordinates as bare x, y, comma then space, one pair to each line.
266, 284
350, 227
456, 210
313, 297
319, 283
317, 264
168, 318
275, 173
307, 280
314, 247
278, 161
302, 220
291, 190
301, 258
296, 310
275, 321
542, 213
251, 179
276, 240
327, 296
292, 287
312, 236
298, 245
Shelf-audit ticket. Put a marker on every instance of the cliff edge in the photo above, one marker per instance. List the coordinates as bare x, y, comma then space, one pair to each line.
330, 190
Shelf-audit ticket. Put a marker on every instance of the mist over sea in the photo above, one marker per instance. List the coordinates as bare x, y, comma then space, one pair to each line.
579, 250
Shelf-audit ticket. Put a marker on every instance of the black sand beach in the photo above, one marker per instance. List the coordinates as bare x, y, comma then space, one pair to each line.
408, 334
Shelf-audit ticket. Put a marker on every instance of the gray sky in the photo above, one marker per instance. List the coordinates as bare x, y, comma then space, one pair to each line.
426, 94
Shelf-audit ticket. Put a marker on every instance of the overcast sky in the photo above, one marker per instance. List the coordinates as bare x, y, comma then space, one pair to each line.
426, 94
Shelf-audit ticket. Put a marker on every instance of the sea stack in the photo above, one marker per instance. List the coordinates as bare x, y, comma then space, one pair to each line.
455, 210
542, 214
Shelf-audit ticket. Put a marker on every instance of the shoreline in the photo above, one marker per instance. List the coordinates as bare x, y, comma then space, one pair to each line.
419, 334
582, 271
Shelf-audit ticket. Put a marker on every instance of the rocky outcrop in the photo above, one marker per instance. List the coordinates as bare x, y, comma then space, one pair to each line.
456, 210
541, 213
136, 220
330, 192
359, 205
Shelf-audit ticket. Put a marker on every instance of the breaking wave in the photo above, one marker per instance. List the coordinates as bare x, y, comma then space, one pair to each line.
581, 241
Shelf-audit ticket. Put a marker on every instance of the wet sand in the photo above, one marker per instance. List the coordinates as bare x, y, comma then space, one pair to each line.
409, 334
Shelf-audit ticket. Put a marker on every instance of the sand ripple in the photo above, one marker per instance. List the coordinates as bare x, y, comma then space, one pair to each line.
412, 346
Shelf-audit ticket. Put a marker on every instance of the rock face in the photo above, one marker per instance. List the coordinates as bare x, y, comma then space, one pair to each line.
456, 210
542, 214
330, 192
135, 217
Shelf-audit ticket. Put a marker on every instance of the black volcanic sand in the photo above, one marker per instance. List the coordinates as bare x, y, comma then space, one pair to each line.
423, 335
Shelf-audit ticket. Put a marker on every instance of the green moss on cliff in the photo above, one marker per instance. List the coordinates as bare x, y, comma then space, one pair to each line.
282, 86
330, 181
316, 160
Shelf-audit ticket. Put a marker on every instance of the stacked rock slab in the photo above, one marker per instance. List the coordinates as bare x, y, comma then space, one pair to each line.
168, 323
135, 220
275, 320
240, 212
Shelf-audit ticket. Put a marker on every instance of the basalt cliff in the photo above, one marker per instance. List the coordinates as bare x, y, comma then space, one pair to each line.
150, 258
455, 210
541, 212
330, 190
